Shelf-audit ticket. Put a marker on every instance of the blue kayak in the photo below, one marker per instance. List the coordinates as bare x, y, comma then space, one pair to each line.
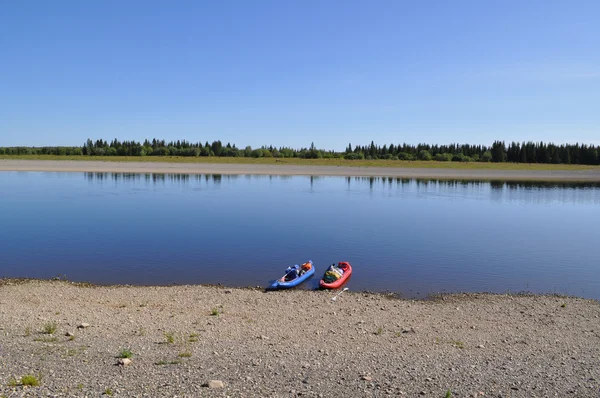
294, 276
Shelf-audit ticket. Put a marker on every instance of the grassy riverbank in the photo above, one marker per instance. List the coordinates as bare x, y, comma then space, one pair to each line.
293, 342
313, 162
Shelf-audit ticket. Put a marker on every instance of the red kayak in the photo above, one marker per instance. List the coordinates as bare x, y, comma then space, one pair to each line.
346, 268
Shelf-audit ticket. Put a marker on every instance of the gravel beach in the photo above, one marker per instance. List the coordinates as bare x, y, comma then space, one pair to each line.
210, 341
590, 175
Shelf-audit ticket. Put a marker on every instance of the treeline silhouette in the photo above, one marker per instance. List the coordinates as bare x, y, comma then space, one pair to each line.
525, 152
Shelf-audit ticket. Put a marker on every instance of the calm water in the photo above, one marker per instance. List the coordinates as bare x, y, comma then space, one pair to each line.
406, 236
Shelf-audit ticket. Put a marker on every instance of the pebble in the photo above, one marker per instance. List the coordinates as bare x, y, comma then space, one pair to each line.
215, 384
480, 346
83, 325
69, 334
125, 361
367, 378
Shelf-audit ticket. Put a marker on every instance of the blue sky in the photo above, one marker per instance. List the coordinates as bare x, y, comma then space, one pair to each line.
293, 72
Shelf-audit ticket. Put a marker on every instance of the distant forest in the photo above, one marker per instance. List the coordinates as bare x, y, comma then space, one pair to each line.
526, 152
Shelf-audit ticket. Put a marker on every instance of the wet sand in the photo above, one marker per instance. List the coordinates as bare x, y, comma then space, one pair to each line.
592, 175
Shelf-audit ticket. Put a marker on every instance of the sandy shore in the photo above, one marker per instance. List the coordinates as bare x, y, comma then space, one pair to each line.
208, 168
293, 343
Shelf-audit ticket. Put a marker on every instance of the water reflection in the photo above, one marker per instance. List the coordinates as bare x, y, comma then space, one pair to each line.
497, 191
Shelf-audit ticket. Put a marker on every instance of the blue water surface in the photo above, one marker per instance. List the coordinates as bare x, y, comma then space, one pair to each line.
411, 237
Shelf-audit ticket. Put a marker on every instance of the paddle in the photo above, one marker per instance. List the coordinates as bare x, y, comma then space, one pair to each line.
334, 298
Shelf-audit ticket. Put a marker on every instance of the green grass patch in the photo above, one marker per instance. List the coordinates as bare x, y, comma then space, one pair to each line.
125, 353
49, 328
193, 338
170, 338
215, 312
379, 331
108, 391
30, 380
186, 354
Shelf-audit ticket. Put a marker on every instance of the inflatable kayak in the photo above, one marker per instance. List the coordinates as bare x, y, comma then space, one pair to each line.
294, 276
334, 271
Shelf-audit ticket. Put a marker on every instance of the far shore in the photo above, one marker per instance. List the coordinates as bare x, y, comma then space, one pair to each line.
591, 174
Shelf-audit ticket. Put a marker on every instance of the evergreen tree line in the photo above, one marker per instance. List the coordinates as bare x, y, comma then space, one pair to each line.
526, 152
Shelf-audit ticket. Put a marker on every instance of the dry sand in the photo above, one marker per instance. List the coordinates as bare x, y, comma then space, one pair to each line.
209, 168
294, 343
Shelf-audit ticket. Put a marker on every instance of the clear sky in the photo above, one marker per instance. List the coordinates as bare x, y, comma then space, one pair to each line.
286, 72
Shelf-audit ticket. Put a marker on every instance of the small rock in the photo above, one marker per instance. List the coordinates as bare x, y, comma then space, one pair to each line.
215, 384
422, 393
305, 366
367, 378
69, 334
428, 379
227, 291
125, 361
263, 337
83, 325
480, 346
